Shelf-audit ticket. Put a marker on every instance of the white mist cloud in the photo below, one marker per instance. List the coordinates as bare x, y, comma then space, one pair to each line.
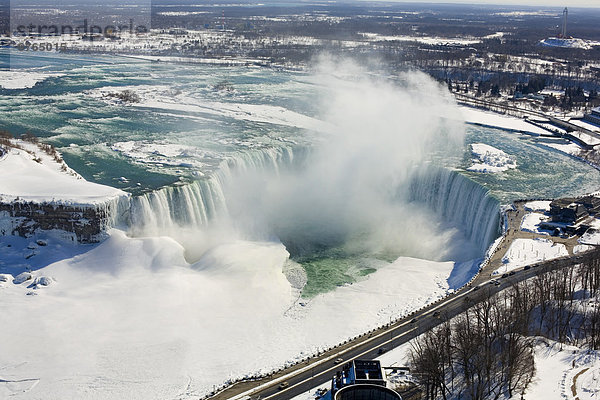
346, 195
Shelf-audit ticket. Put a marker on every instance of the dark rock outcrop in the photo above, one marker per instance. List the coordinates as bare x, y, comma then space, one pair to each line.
87, 223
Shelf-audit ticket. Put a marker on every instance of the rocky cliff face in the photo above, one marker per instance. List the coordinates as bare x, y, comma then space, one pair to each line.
84, 224
39, 192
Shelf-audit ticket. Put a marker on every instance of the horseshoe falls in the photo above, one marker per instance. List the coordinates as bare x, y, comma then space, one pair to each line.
266, 221
346, 170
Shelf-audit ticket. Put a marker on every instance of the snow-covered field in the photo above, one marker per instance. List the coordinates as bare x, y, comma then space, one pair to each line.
528, 251
489, 159
580, 248
129, 318
568, 148
571, 43
538, 205
562, 368
591, 237
487, 118
531, 223
45, 180
430, 40
585, 124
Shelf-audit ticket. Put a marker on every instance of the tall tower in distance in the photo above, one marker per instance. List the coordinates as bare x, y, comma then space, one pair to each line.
564, 25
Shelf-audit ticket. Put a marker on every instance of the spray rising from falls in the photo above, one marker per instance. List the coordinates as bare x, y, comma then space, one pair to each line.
342, 192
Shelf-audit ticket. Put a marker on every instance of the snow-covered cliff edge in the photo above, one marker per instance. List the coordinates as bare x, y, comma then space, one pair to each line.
38, 191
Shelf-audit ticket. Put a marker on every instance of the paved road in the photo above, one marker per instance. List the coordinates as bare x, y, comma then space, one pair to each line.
319, 371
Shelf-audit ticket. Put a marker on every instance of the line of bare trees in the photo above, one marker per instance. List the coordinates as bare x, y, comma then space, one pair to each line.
487, 352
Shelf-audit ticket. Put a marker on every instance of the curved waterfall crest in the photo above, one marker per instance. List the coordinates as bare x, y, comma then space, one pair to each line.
459, 201
198, 202
456, 199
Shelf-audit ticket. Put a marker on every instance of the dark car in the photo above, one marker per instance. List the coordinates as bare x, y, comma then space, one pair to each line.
526, 267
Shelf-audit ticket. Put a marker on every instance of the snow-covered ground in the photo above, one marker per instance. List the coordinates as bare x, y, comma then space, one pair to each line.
439, 41
531, 223
45, 180
591, 237
586, 138
585, 124
580, 248
488, 118
571, 43
538, 205
489, 159
568, 148
528, 251
129, 318
562, 368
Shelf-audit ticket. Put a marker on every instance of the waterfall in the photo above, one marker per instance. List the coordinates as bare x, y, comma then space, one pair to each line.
198, 202
459, 201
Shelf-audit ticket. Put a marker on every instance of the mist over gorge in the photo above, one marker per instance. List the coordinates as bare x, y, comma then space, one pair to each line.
352, 189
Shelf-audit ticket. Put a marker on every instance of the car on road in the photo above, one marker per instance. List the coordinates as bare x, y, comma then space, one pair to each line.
283, 385
338, 360
381, 350
527, 267
413, 321
511, 273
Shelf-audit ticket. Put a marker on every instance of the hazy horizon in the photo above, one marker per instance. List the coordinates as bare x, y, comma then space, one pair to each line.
533, 3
